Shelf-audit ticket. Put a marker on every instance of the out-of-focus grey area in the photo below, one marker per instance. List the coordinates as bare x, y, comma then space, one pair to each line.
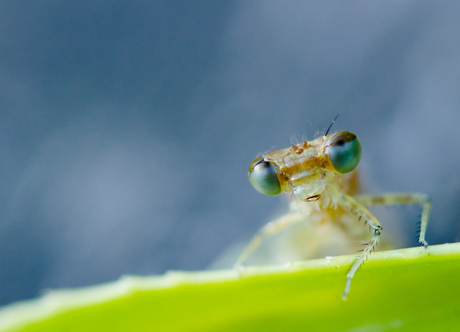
127, 127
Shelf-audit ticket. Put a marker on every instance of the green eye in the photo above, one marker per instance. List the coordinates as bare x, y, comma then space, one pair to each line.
344, 149
263, 177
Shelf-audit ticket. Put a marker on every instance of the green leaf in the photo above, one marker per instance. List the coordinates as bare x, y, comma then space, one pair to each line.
413, 289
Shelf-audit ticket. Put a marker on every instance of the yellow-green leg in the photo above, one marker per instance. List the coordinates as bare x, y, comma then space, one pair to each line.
355, 205
402, 199
267, 231
351, 205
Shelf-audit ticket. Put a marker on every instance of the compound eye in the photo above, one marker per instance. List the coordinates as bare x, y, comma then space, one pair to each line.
263, 177
344, 149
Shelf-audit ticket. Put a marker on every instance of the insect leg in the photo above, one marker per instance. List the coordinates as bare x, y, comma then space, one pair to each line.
267, 231
351, 205
399, 199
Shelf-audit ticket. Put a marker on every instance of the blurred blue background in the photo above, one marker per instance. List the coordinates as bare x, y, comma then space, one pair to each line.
127, 127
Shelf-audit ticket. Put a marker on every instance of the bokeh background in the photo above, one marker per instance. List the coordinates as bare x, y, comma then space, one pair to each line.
127, 127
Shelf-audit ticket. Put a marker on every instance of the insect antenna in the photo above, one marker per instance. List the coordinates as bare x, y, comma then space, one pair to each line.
327, 131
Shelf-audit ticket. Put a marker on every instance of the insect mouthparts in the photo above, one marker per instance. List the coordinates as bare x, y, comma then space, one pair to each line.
313, 198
